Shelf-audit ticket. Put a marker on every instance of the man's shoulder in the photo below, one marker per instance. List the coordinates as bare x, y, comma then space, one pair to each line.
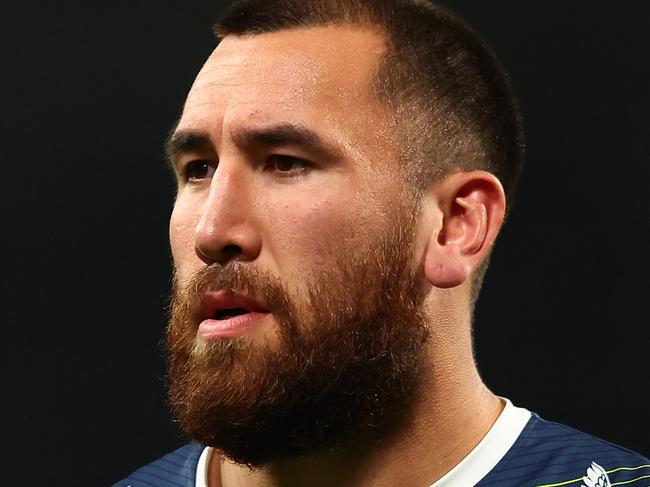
552, 454
176, 469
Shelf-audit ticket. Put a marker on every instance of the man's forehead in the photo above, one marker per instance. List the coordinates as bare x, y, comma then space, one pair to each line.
317, 51
290, 66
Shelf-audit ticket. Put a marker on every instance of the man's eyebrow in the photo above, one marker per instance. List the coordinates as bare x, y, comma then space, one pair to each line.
183, 141
287, 134
284, 134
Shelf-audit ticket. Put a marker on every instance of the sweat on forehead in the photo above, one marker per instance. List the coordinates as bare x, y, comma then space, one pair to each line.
297, 64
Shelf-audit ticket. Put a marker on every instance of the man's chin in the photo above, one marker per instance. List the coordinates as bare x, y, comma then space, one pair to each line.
259, 406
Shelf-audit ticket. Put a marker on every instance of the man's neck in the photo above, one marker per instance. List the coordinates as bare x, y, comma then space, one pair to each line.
446, 424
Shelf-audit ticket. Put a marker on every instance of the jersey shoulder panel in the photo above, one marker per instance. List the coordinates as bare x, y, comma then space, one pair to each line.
549, 454
176, 469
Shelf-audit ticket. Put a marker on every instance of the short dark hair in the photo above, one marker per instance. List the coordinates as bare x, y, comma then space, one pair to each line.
453, 100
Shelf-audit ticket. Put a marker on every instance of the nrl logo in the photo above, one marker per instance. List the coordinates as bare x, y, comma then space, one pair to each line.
596, 477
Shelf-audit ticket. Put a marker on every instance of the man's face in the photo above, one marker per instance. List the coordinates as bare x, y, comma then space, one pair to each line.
285, 217
289, 194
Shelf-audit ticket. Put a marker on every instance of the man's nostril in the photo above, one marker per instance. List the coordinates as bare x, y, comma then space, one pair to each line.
231, 250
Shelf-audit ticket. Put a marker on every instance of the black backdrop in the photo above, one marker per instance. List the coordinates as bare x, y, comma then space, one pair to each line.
89, 91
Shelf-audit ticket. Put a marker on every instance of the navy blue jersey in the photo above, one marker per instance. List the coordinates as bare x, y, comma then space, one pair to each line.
548, 454
176, 469
545, 454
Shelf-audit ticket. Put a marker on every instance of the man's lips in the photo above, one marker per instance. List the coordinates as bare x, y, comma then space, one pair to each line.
215, 302
226, 313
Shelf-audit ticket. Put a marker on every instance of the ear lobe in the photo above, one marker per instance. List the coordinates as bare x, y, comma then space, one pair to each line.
472, 205
444, 268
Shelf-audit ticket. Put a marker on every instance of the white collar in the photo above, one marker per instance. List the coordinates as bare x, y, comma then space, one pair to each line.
490, 450
469, 471
202, 467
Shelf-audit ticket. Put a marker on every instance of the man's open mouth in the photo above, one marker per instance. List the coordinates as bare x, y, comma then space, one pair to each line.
226, 304
225, 313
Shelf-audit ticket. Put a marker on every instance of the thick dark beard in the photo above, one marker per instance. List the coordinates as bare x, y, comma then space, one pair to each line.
343, 371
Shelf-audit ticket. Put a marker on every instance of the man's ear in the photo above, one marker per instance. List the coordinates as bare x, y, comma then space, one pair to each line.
472, 206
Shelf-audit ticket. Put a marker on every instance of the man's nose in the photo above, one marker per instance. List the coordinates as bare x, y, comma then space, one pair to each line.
226, 230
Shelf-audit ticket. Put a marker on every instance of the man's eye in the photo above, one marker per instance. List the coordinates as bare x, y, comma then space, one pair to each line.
198, 170
286, 164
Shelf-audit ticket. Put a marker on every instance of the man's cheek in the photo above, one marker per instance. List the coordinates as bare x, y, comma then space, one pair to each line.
313, 228
181, 239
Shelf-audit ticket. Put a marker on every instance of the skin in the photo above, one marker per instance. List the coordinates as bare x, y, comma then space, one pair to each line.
290, 219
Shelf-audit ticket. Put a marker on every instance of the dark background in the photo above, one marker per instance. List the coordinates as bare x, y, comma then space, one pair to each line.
89, 91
